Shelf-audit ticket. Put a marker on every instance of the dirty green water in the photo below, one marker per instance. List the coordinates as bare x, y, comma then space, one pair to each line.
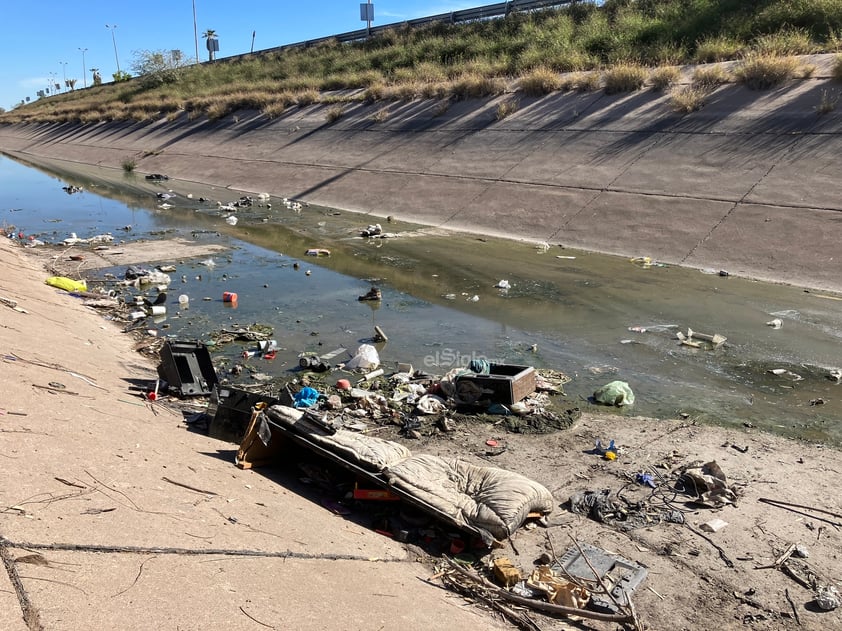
567, 310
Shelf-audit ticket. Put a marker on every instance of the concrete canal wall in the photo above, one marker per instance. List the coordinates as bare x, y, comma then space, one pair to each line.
748, 184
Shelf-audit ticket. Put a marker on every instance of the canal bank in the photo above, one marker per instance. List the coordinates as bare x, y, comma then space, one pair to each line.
746, 184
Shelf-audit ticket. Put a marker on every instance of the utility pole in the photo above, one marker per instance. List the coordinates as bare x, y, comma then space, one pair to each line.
112, 28
84, 69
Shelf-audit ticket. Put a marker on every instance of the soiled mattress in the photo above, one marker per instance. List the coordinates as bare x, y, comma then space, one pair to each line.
493, 501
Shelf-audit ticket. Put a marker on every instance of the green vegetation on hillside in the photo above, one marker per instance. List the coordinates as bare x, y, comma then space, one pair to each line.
614, 45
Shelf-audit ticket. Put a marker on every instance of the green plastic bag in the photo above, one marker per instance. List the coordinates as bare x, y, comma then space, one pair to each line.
615, 393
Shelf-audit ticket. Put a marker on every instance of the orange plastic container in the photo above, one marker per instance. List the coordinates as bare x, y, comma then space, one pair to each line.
229, 296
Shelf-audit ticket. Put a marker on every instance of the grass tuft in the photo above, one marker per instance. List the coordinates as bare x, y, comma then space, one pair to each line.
688, 99
709, 77
624, 78
507, 108
664, 78
763, 71
540, 82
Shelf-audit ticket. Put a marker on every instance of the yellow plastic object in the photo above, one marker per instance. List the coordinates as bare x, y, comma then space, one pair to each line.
67, 284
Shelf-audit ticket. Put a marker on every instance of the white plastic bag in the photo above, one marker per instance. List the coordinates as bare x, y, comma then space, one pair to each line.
366, 358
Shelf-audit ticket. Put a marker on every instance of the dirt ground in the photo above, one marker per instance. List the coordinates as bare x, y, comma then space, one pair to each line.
114, 515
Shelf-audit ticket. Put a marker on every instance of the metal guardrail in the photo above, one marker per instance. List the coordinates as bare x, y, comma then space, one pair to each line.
488, 11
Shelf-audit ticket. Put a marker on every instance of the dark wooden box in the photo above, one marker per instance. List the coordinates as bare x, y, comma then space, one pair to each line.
507, 383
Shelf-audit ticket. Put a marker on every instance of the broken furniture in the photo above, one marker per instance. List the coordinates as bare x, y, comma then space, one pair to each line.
187, 368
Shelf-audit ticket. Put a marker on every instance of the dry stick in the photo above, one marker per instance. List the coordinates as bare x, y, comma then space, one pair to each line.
791, 507
559, 610
519, 619
188, 487
792, 604
136, 507
780, 560
136, 578
248, 615
30, 613
288, 554
719, 549
58, 390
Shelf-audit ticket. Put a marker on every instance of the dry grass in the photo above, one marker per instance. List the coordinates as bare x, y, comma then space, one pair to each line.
624, 78
540, 81
307, 97
476, 86
334, 113
380, 115
709, 77
827, 103
441, 108
688, 99
663, 78
715, 49
507, 108
836, 70
762, 71
582, 81
785, 43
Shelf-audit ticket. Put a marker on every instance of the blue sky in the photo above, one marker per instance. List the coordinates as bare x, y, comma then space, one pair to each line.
42, 39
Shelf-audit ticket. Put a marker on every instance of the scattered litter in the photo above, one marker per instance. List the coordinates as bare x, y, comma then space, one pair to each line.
776, 323
827, 597
783, 372
714, 525
503, 284
701, 340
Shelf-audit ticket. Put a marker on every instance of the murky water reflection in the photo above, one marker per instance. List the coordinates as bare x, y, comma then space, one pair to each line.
574, 307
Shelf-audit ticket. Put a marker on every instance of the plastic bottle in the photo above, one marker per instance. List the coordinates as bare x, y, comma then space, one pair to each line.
184, 300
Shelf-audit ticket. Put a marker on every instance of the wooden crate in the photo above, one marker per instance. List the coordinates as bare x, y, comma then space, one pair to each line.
507, 383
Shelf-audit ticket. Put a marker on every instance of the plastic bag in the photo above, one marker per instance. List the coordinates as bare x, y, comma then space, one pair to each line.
615, 393
67, 284
366, 358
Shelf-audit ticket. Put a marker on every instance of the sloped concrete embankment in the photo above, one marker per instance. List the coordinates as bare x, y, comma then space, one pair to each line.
748, 184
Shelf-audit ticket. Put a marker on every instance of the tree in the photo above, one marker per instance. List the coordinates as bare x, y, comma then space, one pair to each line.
212, 43
158, 67
121, 75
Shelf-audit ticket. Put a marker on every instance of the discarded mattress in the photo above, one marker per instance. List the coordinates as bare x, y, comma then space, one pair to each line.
369, 452
487, 498
489, 501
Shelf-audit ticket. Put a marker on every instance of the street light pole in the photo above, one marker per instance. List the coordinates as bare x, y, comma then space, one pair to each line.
195, 32
84, 69
112, 28
64, 73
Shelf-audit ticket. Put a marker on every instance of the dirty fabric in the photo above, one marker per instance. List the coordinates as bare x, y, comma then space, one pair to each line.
542, 421
492, 500
599, 506
369, 452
